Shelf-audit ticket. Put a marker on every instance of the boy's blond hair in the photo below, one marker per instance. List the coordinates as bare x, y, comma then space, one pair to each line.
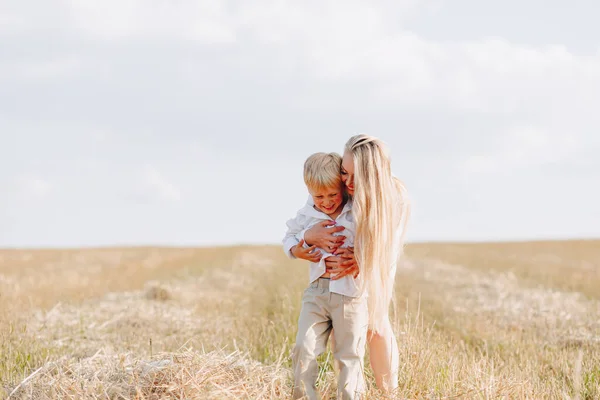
322, 170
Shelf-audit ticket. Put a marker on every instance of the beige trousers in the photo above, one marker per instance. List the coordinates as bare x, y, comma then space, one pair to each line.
348, 317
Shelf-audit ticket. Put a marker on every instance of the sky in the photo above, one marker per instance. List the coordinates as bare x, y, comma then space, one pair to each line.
186, 123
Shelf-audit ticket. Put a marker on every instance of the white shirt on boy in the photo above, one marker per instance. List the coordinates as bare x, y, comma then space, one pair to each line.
308, 216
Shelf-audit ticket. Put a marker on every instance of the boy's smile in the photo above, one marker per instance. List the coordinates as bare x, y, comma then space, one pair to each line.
328, 200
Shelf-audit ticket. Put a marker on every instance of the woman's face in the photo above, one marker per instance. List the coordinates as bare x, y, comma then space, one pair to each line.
348, 172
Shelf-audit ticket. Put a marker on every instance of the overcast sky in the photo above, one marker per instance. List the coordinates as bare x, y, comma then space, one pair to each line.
127, 122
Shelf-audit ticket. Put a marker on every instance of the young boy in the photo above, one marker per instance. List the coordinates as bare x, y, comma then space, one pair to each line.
327, 304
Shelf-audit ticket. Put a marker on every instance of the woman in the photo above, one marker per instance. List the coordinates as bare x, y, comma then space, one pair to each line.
381, 212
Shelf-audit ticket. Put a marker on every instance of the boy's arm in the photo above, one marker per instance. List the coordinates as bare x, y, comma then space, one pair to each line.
305, 252
295, 231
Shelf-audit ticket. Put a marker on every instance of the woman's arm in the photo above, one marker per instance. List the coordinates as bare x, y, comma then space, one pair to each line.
322, 235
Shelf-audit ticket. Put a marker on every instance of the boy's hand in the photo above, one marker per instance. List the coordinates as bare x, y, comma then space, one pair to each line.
309, 253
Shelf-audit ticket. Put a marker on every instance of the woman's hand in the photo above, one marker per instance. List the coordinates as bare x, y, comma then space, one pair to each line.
322, 235
343, 263
309, 253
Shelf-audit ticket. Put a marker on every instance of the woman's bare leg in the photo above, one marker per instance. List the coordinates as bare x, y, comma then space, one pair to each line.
384, 357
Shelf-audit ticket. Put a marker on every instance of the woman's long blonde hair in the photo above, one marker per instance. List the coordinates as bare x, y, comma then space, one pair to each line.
381, 212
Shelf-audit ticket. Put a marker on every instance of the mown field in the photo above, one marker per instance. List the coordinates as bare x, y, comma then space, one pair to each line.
487, 321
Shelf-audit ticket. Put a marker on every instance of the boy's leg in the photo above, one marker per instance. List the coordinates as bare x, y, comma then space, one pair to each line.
350, 320
336, 364
314, 325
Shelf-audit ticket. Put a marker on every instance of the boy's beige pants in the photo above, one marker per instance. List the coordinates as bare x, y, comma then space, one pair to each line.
322, 311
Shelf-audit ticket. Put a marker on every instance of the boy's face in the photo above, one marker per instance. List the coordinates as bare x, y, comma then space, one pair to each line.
328, 200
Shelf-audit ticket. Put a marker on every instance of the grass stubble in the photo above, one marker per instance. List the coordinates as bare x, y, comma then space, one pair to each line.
487, 321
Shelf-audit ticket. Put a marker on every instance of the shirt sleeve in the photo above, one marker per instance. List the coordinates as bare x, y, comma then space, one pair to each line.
295, 231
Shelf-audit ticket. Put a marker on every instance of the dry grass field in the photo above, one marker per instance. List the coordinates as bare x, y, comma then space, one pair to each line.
474, 321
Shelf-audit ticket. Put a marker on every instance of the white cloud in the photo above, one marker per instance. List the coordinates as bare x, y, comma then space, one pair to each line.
530, 146
34, 185
18, 16
359, 42
205, 21
10, 23
489, 75
344, 41
521, 147
47, 69
105, 85
159, 186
